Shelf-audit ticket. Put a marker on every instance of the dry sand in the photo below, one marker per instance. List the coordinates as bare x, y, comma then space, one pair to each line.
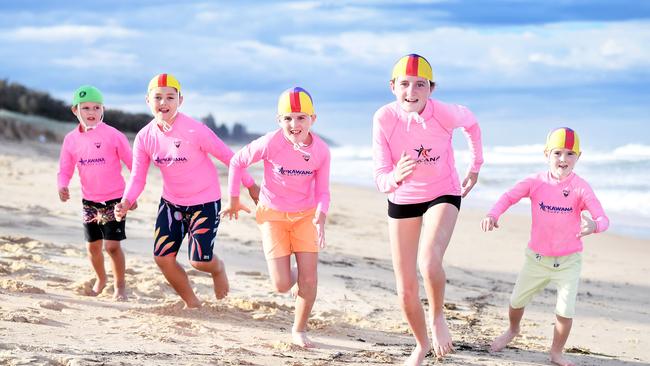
47, 319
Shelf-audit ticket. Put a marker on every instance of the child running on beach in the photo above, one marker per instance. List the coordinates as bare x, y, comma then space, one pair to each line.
554, 253
96, 149
294, 200
191, 199
414, 163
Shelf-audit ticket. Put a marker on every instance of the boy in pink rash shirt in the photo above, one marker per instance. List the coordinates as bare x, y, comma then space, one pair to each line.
191, 199
414, 164
97, 150
557, 198
294, 200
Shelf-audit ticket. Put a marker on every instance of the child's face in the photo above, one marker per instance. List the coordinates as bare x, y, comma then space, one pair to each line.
90, 112
561, 162
411, 92
296, 126
164, 102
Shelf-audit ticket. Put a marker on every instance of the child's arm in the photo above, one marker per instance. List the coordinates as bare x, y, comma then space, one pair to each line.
124, 150
322, 193
66, 170
515, 194
388, 175
212, 144
489, 223
248, 155
598, 222
138, 178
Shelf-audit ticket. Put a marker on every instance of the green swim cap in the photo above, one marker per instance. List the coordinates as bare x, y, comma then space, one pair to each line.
87, 93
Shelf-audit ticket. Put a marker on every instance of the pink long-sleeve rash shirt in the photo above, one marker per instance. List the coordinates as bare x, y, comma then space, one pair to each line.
96, 154
189, 176
426, 137
293, 180
556, 208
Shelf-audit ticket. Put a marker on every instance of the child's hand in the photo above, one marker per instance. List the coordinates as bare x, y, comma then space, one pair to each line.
489, 223
469, 182
134, 205
319, 222
404, 167
254, 192
233, 208
587, 226
121, 209
64, 194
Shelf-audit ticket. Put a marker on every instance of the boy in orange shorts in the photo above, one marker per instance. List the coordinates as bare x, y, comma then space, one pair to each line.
294, 199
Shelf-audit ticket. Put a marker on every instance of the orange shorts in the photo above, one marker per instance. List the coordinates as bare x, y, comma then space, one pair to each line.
284, 233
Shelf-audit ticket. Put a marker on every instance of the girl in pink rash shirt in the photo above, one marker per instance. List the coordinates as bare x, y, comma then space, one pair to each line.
554, 252
97, 150
414, 164
191, 199
294, 200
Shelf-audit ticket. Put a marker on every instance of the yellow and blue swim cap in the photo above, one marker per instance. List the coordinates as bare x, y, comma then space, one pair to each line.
294, 100
87, 93
413, 65
563, 138
163, 80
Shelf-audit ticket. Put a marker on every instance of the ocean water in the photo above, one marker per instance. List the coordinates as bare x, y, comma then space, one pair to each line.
620, 177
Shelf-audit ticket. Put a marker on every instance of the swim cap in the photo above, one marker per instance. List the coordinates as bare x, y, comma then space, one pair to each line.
87, 93
563, 138
413, 65
163, 80
295, 100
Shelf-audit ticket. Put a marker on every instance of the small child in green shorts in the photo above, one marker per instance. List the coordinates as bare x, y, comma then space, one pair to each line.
554, 253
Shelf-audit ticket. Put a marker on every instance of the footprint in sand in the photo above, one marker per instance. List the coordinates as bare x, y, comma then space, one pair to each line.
18, 286
52, 305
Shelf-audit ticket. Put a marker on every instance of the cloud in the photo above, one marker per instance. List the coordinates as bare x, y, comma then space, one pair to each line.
68, 33
97, 58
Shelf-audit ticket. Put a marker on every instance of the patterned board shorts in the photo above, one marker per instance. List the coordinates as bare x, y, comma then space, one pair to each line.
199, 222
99, 221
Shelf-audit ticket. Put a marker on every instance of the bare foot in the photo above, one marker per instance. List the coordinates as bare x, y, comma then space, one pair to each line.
192, 305
220, 280
558, 359
502, 341
301, 339
120, 293
417, 356
441, 338
98, 287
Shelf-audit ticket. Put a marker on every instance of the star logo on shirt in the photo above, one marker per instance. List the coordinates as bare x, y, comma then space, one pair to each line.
422, 152
98, 144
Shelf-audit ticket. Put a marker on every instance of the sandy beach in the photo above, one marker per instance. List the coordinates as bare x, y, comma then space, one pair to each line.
46, 318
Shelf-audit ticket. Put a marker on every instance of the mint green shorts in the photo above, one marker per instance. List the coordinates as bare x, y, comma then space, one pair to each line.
539, 271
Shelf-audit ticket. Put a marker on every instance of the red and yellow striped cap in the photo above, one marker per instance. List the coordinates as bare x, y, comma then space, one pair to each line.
413, 65
563, 138
295, 100
162, 80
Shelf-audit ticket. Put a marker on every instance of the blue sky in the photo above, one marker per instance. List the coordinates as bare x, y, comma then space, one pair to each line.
521, 66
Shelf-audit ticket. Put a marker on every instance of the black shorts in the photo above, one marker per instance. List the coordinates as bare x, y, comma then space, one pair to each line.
99, 221
397, 211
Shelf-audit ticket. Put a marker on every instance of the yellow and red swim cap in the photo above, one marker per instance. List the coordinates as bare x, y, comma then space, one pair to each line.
295, 100
163, 80
563, 138
413, 65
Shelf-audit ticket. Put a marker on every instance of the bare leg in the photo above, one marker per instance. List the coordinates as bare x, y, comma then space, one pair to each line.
439, 223
217, 269
118, 263
514, 317
97, 260
177, 278
307, 288
404, 237
282, 276
560, 336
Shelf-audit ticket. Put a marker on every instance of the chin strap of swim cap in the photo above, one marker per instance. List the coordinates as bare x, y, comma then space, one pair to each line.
415, 117
83, 123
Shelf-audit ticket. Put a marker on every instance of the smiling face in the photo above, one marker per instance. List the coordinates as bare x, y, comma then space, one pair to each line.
164, 103
561, 162
296, 125
89, 113
411, 92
